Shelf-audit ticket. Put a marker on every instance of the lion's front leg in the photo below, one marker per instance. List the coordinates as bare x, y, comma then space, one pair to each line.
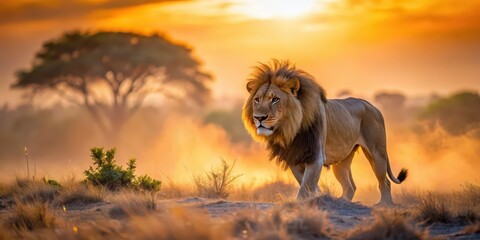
309, 184
297, 171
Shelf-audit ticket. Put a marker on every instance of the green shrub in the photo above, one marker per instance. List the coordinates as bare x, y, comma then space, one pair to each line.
51, 182
112, 176
147, 183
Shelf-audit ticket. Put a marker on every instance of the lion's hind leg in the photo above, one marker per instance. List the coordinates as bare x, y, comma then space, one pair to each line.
378, 161
343, 173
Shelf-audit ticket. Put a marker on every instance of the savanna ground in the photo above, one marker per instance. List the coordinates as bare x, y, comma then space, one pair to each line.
214, 207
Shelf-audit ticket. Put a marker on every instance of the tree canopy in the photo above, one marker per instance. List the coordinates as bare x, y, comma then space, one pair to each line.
111, 73
390, 100
457, 114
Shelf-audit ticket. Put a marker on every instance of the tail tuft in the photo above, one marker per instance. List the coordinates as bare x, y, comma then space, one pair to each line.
402, 175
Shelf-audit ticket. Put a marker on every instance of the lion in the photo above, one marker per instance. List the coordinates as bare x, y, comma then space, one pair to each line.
304, 131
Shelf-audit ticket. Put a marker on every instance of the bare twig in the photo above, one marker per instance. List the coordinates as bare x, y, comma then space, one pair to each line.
26, 157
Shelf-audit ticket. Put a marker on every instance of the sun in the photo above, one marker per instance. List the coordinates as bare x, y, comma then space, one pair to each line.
268, 9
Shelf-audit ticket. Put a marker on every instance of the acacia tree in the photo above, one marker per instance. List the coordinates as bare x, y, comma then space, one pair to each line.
111, 73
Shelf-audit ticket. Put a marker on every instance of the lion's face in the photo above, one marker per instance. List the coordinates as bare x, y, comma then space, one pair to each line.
269, 105
277, 108
272, 112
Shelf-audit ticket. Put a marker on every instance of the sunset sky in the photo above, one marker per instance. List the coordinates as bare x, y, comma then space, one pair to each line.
416, 47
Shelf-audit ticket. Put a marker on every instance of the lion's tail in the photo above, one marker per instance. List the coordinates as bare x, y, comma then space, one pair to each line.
401, 176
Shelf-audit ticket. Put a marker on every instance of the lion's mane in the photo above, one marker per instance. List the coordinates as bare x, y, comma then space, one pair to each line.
297, 140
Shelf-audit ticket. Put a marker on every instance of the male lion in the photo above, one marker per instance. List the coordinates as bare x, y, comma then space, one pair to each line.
303, 130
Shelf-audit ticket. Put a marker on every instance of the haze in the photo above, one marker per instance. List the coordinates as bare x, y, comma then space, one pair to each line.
359, 47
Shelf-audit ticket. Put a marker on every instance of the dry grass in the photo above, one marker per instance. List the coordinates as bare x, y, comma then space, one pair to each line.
35, 220
217, 182
388, 224
274, 191
38, 191
327, 188
31, 216
462, 206
179, 224
183, 223
74, 194
280, 223
277, 191
173, 190
130, 214
432, 208
28, 190
410, 197
128, 203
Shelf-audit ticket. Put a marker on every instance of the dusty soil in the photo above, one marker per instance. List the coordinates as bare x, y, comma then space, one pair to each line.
342, 215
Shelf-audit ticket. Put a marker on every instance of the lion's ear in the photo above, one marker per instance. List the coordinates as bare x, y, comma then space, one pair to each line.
293, 84
250, 86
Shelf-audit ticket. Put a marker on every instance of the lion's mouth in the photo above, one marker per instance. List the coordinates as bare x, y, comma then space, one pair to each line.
266, 131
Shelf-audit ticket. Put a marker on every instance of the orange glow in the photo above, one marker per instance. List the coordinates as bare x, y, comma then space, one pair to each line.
266, 9
416, 47
199, 148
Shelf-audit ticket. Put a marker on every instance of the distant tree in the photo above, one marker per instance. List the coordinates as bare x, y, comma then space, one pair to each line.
392, 106
457, 114
344, 93
231, 122
111, 73
390, 100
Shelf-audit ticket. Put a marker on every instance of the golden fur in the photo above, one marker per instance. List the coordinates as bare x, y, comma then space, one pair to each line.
305, 109
303, 130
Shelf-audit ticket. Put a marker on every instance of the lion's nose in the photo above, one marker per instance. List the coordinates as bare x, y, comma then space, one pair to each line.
261, 118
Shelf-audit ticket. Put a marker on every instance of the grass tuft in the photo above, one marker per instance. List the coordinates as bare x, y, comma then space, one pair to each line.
387, 224
282, 223
29, 190
433, 209
130, 204
277, 191
462, 206
76, 195
31, 216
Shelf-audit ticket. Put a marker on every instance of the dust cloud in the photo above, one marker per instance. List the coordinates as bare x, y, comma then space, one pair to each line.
174, 145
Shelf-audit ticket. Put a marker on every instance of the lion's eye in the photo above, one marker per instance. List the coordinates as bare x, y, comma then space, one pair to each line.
275, 100
256, 100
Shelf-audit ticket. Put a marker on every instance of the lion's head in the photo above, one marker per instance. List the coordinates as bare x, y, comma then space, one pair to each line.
282, 101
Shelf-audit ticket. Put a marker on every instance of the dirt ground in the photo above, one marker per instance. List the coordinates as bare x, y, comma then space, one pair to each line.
342, 215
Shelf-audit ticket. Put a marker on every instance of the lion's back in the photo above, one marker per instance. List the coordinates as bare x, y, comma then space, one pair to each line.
344, 109
352, 107
344, 125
